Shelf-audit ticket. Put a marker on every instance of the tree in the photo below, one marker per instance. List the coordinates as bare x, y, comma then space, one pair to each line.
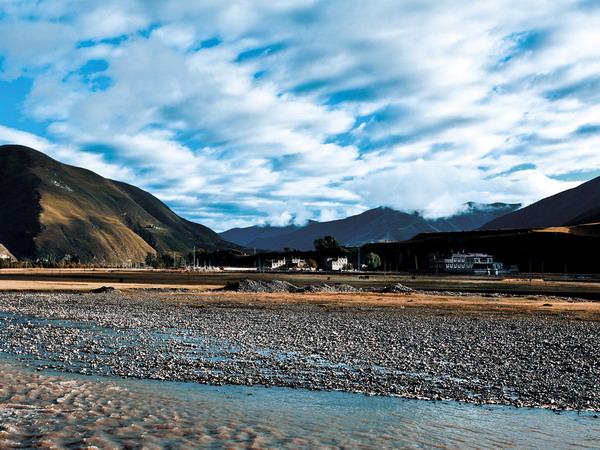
151, 260
310, 264
373, 261
165, 260
348, 266
326, 243
171, 259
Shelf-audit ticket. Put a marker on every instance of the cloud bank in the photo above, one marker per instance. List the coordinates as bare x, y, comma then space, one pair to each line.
244, 112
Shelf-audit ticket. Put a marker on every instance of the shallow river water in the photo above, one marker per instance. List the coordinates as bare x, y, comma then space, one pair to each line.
51, 409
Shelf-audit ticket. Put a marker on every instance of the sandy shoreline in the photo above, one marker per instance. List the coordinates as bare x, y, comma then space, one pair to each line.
483, 350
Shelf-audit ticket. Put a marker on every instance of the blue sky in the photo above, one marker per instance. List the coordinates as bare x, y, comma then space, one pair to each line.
244, 112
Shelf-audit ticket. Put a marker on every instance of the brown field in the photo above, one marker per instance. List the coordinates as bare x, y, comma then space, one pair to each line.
530, 296
436, 304
85, 279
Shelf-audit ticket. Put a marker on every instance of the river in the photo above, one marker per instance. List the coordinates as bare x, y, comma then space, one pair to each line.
52, 409
41, 406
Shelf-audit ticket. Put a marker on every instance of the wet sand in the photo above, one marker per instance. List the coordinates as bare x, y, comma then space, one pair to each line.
523, 352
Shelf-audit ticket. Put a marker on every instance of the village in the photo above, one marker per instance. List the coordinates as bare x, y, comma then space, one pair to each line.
457, 263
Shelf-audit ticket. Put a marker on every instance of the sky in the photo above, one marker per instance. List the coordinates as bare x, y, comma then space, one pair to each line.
245, 112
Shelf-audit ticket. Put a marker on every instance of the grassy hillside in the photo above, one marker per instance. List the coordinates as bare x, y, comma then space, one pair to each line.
175, 233
50, 210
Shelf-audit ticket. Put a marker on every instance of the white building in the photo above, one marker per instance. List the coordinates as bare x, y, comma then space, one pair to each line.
481, 263
336, 263
277, 264
296, 263
292, 263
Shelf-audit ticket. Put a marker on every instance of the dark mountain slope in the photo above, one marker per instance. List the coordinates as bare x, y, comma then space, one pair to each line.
373, 225
574, 206
590, 216
50, 210
244, 236
379, 224
19, 202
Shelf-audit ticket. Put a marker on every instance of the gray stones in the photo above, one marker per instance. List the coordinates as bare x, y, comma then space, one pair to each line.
518, 360
278, 286
337, 287
397, 289
259, 286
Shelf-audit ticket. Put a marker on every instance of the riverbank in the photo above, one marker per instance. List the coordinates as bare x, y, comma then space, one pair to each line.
526, 352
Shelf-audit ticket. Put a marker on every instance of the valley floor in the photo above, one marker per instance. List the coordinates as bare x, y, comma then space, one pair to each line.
82, 280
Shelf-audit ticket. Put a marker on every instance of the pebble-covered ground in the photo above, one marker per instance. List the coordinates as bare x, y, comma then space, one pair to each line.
411, 352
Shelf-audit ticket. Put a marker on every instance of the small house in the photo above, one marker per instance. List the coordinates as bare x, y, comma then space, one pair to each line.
336, 263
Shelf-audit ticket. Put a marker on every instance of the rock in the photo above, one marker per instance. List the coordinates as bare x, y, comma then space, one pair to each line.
105, 290
259, 286
396, 289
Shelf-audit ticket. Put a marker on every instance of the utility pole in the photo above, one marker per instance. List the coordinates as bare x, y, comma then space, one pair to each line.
530, 273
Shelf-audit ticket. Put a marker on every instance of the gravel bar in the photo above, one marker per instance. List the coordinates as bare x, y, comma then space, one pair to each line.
520, 360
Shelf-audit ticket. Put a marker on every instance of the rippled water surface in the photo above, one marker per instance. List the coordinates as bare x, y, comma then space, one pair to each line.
65, 410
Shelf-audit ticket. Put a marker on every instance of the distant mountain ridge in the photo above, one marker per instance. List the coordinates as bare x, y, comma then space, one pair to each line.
246, 236
575, 206
50, 210
374, 225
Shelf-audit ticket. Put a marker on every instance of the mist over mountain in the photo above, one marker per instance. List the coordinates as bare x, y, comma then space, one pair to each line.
50, 210
575, 206
375, 225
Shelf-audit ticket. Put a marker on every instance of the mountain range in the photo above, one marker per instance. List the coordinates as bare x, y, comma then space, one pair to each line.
577, 206
49, 210
374, 225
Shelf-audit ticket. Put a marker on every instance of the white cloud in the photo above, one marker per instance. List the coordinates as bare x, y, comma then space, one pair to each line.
311, 108
65, 154
11, 136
